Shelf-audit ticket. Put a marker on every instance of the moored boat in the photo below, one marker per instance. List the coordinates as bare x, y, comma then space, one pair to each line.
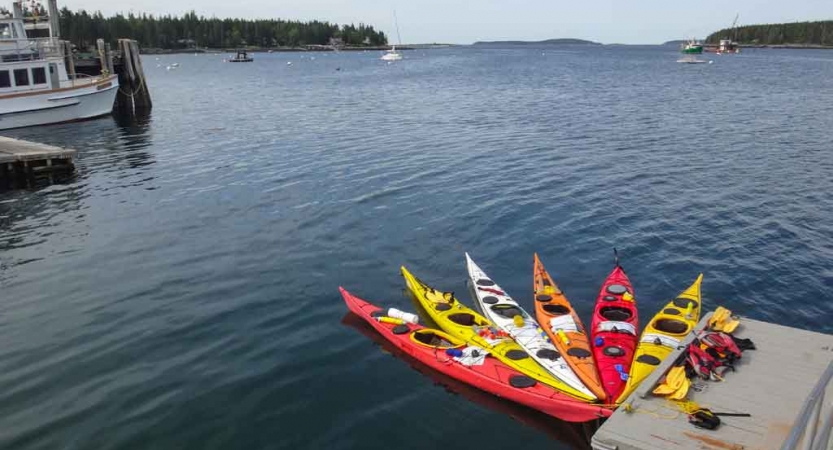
510, 317
663, 334
473, 365
613, 331
35, 87
692, 47
242, 56
564, 328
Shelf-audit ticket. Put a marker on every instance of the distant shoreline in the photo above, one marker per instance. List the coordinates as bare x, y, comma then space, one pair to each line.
308, 48
560, 41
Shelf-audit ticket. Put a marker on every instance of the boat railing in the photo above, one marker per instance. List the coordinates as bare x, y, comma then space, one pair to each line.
806, 430
31, 49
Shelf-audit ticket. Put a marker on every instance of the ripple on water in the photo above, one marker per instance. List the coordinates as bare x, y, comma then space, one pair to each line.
179, 291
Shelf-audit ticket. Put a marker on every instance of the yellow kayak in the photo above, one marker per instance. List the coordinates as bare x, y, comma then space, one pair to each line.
663, 334
464, 323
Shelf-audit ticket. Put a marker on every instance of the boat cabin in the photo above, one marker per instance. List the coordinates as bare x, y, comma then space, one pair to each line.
28, 64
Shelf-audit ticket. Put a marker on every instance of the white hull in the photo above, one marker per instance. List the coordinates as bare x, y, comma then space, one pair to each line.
492, 298
391, 57
93, 99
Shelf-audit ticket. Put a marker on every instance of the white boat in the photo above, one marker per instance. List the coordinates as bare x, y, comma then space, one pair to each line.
392, 55
691, 59
35, 88
508, 315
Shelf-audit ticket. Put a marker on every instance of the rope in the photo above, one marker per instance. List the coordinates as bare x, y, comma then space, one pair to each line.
133, 94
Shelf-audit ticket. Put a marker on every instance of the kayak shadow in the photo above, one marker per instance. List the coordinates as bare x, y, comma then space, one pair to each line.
575, 435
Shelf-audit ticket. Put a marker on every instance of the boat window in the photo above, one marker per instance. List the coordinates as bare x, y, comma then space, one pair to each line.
21, 77
38, 75
5, 31
5, 79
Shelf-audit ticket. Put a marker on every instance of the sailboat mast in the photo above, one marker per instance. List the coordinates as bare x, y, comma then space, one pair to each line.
396, 22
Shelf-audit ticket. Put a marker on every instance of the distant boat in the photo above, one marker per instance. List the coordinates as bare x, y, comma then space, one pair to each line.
242, 56
692, 47
691, 59
392, 55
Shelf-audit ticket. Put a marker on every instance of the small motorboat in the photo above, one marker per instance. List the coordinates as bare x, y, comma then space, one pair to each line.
242, 56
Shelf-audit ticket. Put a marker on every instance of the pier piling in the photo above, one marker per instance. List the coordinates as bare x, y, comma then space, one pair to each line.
133, 92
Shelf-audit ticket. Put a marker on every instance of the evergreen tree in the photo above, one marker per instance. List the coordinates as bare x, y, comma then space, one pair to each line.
170, 32
805, 33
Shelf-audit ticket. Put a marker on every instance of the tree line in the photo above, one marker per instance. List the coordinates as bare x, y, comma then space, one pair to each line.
804, 33
189, 31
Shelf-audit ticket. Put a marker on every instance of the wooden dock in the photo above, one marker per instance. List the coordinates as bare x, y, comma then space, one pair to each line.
772, 383
25, 159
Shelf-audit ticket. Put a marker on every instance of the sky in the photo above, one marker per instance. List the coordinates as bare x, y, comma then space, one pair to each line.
467, 21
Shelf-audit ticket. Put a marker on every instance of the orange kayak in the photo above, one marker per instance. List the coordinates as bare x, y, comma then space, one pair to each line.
564, 328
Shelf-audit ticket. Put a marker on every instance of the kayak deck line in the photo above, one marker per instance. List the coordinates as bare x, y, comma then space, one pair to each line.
772, 383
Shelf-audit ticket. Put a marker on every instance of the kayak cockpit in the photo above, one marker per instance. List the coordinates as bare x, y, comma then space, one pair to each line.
507, 311
555, 310
434, 339
672, 326
467, 320
616, 313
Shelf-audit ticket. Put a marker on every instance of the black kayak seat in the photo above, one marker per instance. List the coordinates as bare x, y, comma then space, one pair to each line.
556, 309
672, 326
616, 313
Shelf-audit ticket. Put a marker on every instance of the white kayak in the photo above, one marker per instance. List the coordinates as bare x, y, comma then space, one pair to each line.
503, 311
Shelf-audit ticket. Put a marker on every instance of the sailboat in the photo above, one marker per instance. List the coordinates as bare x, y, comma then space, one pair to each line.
392, 55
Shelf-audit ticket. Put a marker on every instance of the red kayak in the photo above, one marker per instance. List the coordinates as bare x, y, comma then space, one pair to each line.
613, 331
473, 365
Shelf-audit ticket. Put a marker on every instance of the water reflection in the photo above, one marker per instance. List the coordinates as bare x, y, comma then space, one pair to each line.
575, 435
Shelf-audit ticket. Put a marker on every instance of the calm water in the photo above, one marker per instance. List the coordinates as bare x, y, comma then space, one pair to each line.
180, 290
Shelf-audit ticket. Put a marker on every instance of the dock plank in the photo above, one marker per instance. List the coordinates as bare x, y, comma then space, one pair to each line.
13, 150
771, 383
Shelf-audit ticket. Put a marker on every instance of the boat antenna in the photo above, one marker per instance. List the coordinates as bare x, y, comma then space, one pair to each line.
616, 256
396, 22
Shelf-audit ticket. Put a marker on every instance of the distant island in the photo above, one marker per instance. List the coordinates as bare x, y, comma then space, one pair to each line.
798, 34
546, 42
676, 43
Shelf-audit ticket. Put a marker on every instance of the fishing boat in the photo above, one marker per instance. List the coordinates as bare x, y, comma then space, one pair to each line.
393, 55
728, 45
692, 47
37, 89
242, 56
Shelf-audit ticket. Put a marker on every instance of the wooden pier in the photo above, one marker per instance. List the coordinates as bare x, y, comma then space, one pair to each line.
24, 159
781, 384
